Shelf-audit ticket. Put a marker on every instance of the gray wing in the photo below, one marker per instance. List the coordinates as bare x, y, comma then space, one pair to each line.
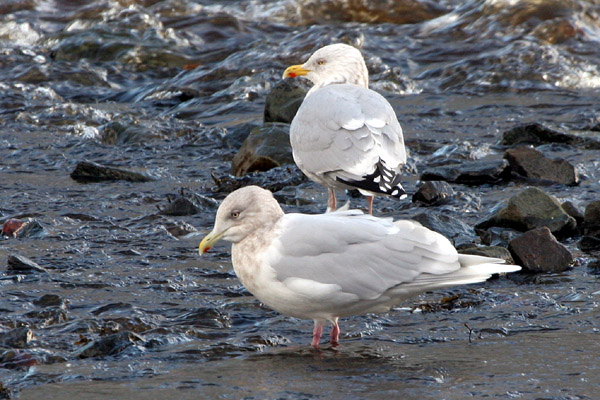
363, 255
346, 128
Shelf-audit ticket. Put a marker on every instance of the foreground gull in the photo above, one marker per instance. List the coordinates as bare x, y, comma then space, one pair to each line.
345, 135
338, 264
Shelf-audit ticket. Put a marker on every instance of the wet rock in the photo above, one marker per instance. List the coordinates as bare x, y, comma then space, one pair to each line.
86, 171
488, 251
469, 172
454, 229
433, 193
573, 211
179, 229
538, 250
538, 134
590, 242
46, 317
532, 208
188, 203
237, 134
530, 163
17, 359
266, 147
117, 133
5, 393
17, 338
49, 300
497, 236
110, 345
30, 229
22, 265
11, 227
284, 100
274, 179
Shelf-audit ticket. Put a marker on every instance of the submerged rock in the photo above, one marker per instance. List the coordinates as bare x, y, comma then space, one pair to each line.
530, 163
284, 100
16, 338
110, 345
274, 179
538, 250
454, 229
49, 300
538, 134
530, 209
86, 171
433, 193
22, 265
590, 242
266, 147
187, 203
469, 172
28, 228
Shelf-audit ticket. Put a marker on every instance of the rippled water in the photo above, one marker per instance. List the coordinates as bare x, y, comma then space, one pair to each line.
168, 88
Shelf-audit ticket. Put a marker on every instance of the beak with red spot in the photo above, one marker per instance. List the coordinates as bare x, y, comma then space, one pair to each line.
294, 71
208, 241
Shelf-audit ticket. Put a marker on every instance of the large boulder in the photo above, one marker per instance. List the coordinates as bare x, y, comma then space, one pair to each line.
266, 147
532, 208
530, 163
538, 251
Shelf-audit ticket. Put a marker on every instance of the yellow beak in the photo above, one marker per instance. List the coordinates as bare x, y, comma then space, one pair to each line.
208, 241
294, 71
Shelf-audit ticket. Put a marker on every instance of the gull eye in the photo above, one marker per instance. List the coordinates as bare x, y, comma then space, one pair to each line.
321, 62
235, 214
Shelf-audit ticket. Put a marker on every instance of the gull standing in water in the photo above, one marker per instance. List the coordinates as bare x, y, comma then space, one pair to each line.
326, 266
344, 134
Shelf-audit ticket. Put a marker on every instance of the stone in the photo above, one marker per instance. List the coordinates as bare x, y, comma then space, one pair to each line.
284, 99
16, 338
454, 229
110, 344
573, 211
433, 193
86, 171
530, 163
22, 265
469, 172
538, 134
497, 236
274, 179
488, 251
538, 250
532, 208
49, 300
266, 147
591, 219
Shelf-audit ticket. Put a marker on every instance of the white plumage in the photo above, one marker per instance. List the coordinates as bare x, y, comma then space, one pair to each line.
345, 135
333, 265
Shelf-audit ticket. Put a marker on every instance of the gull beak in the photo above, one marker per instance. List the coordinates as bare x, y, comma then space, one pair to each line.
294, 71
208, 241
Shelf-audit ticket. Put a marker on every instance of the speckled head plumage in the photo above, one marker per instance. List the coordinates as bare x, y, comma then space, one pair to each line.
335, 63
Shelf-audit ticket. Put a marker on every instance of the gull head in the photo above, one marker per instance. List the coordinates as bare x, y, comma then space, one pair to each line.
335, 63
241, 213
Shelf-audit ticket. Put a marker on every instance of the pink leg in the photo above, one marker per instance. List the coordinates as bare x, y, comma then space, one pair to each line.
317, 334
370, 198
331, 203
335, 334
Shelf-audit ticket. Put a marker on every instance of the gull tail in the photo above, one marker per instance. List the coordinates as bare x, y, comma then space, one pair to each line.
383, 180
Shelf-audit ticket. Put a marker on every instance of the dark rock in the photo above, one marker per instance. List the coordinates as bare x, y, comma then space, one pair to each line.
538, 134
188, 203
530, 163
86, 171
469, 172
31, 229
454, 229
17, 359
591, 219
284, 100
497, 236
11, 227
110, 345
47, 317
5, 392
179, 229
274, 180
49, 300
237, 134
22, 265
573, 211
266, 147
532, 208
538, 250
433, 193
298, 195
589, 244
17, 338
488, 251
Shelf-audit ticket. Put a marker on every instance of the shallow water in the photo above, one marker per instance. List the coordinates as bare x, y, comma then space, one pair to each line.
111, 82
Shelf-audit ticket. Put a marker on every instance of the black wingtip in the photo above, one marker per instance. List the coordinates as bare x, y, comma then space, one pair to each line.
382, 181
